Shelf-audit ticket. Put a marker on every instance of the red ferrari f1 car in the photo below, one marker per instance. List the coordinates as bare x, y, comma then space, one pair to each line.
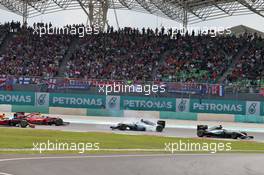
18, 122
38, 119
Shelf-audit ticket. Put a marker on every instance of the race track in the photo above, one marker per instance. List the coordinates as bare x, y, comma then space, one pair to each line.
143, 164
211, 164
169, 132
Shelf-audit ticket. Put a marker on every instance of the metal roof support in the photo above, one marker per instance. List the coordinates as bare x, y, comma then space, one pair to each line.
147, 6
13, 6
96, 11
185, 16
183, 11
250, 7
187, 8
62, 3
128, 4
169, 10
25, 12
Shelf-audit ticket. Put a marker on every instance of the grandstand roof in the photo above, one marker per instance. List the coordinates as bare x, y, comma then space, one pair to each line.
179, 10
241, 29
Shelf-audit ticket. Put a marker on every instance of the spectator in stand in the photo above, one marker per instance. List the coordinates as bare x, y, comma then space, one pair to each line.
118, 55
27, 54
199, 58
250, 69
131, 54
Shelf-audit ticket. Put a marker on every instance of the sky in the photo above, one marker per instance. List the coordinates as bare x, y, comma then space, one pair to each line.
135, 19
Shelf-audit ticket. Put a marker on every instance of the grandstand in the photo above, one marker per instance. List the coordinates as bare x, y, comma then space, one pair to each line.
131, 54
183, 11
230, 60
131, 97
241, 29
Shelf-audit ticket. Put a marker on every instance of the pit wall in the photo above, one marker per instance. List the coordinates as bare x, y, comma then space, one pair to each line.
133, 107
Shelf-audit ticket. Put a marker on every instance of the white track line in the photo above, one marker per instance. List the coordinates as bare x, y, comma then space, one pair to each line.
199, 152
105, 156
2, 173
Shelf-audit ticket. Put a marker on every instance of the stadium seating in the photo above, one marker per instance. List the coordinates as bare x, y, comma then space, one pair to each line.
3, 32
116, 56
31, 55
199, 58
133, 54
250, 70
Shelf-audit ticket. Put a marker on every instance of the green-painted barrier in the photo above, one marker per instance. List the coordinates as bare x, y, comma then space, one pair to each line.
105, 113
22, 108
17, 98
218, 106
262, 108
249, 119
148, 104
98, 105
76, 100
178, 115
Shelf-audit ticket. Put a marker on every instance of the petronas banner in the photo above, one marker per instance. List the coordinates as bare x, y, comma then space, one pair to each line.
76, 101
182, 105
17, 98
117, 103
253, 108
112, 102
148, 103
218, 106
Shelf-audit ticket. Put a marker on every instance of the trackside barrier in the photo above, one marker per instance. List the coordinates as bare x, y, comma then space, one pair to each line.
127, 106
249, 119
216, 117
5, 108
136, 114
67, 111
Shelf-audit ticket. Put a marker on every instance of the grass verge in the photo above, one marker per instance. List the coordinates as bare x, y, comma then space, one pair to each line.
20, 141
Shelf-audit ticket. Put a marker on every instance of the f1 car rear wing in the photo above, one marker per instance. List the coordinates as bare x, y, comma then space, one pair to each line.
162, 123
202, 127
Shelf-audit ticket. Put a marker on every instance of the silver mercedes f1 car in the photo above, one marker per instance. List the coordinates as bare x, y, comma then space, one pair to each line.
220, 132
142, 125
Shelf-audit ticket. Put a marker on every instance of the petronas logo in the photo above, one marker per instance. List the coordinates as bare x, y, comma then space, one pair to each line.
112, 102
252, 108
182, 105
41, 99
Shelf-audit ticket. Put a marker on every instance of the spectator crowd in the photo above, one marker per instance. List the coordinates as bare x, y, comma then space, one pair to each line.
132, 54
27, 54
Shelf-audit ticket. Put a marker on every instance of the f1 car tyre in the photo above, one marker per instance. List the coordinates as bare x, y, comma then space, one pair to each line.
200, 133
12, 124
234, 135
159, 128
23, 124
123, 127
59, 122
162, 123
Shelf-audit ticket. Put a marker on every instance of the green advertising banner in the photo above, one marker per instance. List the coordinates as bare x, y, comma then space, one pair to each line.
76, 101
262, 108
17, 98
218, 106
148, 104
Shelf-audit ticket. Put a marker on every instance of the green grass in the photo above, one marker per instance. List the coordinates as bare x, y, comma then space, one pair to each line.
15, 138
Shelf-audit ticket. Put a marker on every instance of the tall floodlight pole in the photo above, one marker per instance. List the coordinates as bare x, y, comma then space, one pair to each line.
96, 11
25, 12
185, 18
